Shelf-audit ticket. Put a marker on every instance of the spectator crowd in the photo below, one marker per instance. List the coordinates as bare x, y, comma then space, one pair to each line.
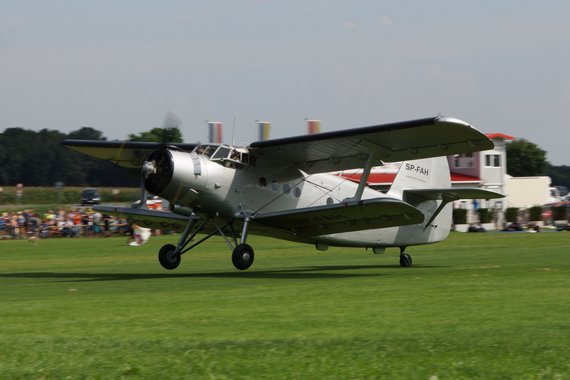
60, 223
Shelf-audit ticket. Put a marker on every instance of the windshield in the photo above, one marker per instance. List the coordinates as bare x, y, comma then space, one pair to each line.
205, 150
225, 155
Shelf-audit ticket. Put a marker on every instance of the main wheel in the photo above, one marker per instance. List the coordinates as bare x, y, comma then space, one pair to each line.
405, 260
168, 257
242, 256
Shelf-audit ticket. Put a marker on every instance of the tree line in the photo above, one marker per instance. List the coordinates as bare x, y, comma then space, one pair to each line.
38, 158
525, 158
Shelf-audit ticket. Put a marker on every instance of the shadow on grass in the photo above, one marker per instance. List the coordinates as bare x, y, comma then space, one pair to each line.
313, 272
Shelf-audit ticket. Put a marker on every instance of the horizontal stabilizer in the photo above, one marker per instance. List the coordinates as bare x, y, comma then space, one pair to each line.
342, 217
452, 194
162, 220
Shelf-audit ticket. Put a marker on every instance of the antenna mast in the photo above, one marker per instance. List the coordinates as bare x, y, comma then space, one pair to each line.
234, 129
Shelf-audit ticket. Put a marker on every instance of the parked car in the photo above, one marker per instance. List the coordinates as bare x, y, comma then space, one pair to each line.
90, 196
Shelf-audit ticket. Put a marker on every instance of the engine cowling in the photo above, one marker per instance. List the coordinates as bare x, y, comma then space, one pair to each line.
171, 175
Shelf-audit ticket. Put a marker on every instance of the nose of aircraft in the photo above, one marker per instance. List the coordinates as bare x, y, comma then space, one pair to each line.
170, 175
157, 171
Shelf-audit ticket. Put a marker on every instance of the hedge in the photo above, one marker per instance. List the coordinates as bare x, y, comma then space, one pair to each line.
485, 215
459, 216
535, 213
512, 214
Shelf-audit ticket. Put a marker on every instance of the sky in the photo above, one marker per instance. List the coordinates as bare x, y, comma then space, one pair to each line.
120, 66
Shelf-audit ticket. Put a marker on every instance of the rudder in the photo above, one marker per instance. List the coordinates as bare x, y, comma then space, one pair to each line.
429, 173
415, 178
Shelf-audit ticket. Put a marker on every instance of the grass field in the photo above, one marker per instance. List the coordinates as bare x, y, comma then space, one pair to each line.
478, 306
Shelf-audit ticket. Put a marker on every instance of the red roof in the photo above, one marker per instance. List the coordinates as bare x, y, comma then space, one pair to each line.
457, 177
499, 136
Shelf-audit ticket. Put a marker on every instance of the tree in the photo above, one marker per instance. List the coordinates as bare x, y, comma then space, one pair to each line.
525, 159
86, 133
560, 175
162, 135
39, 159
83, 170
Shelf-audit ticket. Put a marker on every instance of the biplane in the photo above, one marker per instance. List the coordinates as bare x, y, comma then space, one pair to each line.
286, 188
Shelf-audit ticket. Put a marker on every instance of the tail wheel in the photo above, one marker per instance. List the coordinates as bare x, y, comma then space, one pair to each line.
168, 257
405, 260
242, 256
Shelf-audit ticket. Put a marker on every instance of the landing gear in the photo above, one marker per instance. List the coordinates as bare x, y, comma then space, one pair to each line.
242, 253
168, 257
242, 256
405, 259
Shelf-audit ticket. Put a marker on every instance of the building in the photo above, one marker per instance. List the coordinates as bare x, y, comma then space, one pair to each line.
487, 170
525, 192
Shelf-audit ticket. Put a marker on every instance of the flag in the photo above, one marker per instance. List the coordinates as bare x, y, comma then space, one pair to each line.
313, 126
215, 132
264, 128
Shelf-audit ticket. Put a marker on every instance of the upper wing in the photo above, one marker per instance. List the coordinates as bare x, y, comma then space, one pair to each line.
129, 154
349, 149
342, 217
163, 220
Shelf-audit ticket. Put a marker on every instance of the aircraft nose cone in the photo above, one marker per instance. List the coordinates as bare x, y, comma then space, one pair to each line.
157, 171
170, 174
148, 169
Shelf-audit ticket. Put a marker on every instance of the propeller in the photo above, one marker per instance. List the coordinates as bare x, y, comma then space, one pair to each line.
157, 168
170, 125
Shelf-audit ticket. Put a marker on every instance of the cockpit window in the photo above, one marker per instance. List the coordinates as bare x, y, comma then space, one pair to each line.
205, 150
221, 153
209, 151
226, 155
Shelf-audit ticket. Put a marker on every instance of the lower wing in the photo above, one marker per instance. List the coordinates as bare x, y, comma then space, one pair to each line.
342, 217
162, 220
305, 222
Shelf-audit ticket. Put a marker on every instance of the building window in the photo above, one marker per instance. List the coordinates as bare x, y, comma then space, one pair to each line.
464, 160
493, 160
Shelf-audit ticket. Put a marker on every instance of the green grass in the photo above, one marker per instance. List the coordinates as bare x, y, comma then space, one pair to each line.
478, 306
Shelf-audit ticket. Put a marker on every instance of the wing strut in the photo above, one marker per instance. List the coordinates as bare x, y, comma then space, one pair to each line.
246, 221
363, 179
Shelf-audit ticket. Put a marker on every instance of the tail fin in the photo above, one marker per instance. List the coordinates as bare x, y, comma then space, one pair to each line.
429, 173
426, 185
414, 184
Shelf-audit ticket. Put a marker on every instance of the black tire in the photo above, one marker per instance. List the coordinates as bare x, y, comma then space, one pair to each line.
405, 260
168, 258
242, 256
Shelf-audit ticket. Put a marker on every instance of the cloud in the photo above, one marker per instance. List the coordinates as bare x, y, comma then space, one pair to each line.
385, 20
350, 25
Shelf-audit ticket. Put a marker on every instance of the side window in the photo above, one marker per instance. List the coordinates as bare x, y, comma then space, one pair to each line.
245, 158
464, 160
